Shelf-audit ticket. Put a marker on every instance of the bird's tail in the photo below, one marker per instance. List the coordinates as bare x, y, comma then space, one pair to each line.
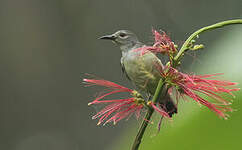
168, 105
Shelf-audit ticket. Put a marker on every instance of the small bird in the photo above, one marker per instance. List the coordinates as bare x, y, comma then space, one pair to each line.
140, 69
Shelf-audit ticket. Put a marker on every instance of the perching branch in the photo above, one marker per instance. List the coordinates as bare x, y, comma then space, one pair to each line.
148, 115
186, 44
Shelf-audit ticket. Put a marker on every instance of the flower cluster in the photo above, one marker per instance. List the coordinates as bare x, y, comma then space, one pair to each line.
192, 85
116, 109
162, 44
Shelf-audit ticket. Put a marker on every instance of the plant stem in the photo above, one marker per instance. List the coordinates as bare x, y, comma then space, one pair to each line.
185, 46
142, 129
161, 84
148, 115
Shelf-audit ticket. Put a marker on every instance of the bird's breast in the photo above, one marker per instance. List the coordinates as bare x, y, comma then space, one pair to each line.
141, 69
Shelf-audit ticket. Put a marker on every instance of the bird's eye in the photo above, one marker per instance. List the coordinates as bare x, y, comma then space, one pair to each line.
122, 34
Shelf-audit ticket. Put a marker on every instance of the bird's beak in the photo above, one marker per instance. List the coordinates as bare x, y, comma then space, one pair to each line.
108, 37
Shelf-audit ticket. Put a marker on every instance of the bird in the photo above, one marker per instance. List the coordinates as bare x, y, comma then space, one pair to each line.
141, 70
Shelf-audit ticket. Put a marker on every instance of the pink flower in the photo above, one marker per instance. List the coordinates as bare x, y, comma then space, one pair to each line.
191, 85
116, 109
162, 44
160, 109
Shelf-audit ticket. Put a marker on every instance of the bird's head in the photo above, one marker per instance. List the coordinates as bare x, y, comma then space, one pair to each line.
123, 38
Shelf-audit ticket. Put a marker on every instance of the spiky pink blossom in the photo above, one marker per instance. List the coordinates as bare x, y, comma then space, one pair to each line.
209, 85
160, 110
116, 109
162, 44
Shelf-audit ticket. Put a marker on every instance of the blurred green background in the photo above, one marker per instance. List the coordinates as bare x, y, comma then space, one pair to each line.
45, 46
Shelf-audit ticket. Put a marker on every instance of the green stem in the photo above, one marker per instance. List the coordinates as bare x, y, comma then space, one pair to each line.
186, 44
148, 115
161, 85
142, 129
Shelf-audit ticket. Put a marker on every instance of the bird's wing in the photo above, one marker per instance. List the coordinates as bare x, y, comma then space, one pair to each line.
123, 68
